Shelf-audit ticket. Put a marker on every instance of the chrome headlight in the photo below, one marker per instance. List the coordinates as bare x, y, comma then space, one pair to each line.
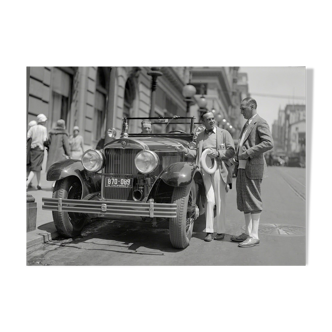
93, 160
146, 161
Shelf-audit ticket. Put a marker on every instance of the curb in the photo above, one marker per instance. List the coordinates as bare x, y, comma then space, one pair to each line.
37, 238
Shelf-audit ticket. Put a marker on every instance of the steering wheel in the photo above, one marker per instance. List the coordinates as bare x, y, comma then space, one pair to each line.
177, 131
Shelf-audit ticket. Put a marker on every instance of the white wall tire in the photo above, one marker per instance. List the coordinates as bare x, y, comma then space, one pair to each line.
206, 168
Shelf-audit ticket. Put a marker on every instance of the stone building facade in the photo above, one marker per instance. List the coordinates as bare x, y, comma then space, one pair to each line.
97, 98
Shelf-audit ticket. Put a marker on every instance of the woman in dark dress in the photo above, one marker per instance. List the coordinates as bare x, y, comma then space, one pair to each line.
58, 144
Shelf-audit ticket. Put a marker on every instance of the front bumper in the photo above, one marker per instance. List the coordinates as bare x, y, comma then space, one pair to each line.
112, 208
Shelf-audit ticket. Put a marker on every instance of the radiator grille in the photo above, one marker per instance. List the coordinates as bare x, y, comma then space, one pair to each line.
119, 161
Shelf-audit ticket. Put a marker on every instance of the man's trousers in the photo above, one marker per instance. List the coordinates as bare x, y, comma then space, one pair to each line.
215, 195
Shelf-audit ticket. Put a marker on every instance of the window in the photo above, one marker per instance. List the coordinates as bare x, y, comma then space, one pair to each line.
99, 116
100, 104
61, 96
129, 97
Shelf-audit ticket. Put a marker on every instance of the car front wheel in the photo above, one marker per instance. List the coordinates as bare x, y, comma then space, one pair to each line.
181, 227
68, 224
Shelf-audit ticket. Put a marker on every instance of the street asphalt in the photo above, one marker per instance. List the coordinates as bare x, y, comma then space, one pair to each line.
282, 233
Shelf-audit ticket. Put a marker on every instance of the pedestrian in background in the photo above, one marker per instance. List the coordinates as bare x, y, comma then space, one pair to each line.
255, 139
31, 124
38, 135
220, 144
270, 159
76, 144
58, 144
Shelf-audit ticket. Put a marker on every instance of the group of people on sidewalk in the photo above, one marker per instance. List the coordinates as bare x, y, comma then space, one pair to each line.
247, 162
58, 144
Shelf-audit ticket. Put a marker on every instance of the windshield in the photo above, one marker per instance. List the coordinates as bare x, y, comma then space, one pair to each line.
150, 126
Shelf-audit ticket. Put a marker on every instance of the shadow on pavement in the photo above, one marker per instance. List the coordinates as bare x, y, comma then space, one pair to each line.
135, 237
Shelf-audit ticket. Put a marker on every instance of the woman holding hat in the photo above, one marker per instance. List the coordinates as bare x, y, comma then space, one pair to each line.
76, 144
58, 144
38, 135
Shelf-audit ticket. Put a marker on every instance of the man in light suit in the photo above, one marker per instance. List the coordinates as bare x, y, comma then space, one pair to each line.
255, 139
221, 146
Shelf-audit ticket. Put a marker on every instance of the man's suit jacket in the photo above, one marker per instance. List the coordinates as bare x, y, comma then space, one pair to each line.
257, 140
222, 136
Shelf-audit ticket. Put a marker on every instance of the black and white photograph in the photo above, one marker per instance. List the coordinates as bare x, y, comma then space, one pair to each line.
166, 165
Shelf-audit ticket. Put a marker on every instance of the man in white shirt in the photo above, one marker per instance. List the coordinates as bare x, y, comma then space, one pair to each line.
220, 144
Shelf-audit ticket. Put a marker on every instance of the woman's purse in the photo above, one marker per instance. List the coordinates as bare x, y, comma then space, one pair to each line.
47, 144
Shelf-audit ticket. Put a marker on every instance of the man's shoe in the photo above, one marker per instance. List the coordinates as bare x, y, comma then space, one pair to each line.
219, 236
208, 237
239, 238
250, 242
39, 187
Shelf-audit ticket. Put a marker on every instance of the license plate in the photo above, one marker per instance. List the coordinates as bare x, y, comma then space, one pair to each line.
118, 182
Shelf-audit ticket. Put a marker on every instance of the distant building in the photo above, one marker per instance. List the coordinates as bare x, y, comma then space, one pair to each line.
289, 130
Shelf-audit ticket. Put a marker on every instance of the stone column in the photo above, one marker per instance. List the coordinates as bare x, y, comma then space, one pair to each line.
30, 204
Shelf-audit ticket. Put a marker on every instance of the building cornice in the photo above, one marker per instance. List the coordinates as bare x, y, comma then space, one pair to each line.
220, 74
172, 76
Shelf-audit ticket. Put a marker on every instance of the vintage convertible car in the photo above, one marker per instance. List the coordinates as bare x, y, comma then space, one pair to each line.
136, 177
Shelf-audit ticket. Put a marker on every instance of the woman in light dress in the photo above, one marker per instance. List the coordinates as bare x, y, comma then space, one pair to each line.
38, 135
76, 144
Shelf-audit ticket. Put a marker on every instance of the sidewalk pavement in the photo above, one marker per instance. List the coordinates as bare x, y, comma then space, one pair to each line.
45, 229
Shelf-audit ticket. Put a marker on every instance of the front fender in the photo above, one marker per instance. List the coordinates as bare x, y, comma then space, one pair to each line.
63, 169
179, 174
70, 167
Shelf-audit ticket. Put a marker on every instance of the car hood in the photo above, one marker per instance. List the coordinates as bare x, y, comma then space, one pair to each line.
158, 144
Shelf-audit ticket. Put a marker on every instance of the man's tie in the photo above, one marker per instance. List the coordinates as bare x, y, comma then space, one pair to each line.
245, 127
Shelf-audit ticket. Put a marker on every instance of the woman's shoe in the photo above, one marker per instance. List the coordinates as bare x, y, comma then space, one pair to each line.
39, 187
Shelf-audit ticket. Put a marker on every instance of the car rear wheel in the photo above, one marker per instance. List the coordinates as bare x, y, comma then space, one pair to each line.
68, 224
181, 227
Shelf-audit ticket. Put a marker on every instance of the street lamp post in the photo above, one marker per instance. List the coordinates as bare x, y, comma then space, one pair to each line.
202, 102
154, 73
219, 119
188, 92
